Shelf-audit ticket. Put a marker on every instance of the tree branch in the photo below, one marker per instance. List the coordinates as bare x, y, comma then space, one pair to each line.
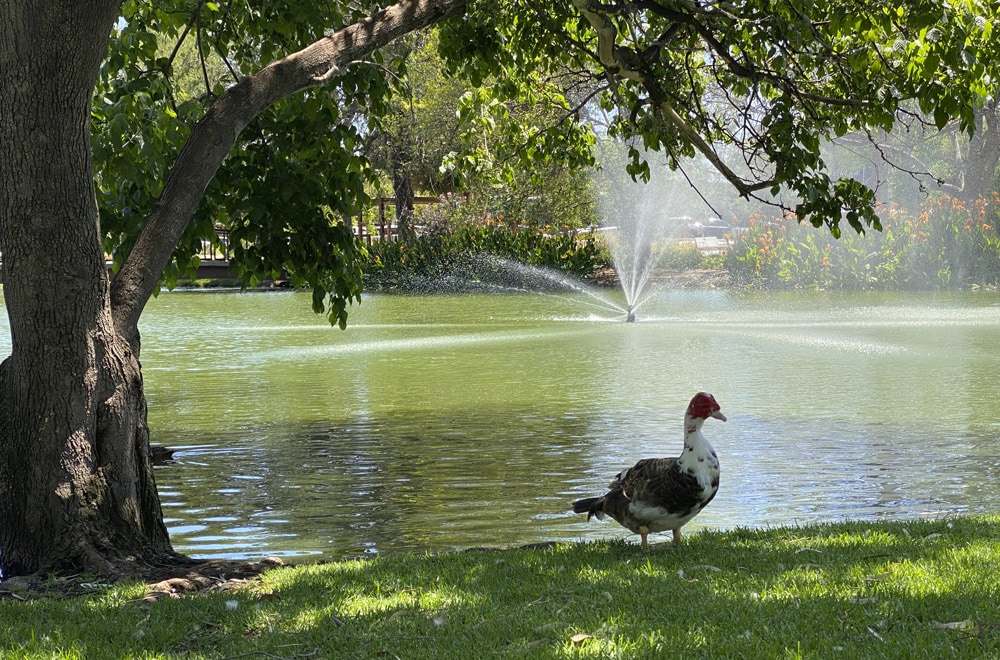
749, 71
215, 135
616, 61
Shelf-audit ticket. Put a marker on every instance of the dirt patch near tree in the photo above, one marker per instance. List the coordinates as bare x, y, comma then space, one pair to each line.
172, 581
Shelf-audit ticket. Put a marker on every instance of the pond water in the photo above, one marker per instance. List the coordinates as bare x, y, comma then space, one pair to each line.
453, 421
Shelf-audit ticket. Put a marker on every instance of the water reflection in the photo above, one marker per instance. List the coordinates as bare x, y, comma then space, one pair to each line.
460, 421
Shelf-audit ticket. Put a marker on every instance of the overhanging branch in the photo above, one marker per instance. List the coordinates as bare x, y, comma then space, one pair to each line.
616, 61
213, 137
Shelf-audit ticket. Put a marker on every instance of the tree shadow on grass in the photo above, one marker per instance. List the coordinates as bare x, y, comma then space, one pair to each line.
824, 590
855, 590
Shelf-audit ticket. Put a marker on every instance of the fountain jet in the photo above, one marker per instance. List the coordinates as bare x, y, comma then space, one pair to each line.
636, 249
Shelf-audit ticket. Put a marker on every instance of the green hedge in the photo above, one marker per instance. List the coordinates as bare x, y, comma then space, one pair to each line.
474, 255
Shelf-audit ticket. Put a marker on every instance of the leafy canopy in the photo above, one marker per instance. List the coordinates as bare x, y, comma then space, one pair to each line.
753, 86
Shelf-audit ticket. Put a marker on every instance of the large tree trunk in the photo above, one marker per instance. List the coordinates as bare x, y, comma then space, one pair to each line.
76, 485
77, 491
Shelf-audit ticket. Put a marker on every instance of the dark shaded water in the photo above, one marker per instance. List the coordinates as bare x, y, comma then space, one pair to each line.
456, 421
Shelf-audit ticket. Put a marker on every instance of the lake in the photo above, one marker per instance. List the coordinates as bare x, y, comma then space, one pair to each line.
455, 421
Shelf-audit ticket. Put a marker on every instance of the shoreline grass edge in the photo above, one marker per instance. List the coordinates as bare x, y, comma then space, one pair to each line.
900, 589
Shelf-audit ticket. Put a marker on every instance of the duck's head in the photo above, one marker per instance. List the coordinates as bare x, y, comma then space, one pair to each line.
703, 406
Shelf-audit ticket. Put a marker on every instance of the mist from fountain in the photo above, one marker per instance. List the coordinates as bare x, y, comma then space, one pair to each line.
637, 226
503, 274
489, 273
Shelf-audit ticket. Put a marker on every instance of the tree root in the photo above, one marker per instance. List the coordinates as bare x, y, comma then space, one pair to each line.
170, 579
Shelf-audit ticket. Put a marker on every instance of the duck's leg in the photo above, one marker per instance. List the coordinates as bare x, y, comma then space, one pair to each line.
677, 536
643, 532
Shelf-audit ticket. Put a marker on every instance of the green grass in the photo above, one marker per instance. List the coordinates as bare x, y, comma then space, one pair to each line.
927, 589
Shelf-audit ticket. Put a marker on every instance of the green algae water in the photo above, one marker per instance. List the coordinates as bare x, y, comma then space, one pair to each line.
453, 421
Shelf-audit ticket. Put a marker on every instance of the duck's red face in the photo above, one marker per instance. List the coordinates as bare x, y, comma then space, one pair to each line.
703, 406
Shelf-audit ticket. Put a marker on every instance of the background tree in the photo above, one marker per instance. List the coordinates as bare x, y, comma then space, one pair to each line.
76, 488
917, 159
950, 161
522, 152
442, 137
411, 141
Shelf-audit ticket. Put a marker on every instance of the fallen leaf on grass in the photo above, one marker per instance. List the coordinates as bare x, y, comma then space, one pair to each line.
580, 638
953, 625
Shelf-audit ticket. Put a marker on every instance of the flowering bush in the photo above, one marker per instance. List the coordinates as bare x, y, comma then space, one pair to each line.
947, 244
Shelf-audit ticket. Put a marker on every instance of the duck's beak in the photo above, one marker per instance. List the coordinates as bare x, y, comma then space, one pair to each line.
718, 415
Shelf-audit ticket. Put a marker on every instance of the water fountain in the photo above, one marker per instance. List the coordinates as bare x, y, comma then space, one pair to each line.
635, 239
636, 226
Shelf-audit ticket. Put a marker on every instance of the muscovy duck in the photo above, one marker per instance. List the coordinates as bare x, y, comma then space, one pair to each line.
657, 494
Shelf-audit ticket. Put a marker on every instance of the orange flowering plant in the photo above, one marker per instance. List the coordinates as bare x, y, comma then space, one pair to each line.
946, 243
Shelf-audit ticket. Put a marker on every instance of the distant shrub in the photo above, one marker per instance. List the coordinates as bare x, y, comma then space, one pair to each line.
452, 246
683, 256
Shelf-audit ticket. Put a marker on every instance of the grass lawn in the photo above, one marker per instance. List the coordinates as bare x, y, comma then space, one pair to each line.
920, 589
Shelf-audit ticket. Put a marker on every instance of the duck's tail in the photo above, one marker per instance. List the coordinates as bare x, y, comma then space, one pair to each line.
592, 506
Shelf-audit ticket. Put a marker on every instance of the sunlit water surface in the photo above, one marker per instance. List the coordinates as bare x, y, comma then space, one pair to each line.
457, 421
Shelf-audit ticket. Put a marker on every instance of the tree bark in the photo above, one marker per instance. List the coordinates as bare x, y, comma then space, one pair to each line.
77, 490
76, 486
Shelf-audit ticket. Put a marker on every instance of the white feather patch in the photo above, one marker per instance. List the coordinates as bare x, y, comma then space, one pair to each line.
658, 519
